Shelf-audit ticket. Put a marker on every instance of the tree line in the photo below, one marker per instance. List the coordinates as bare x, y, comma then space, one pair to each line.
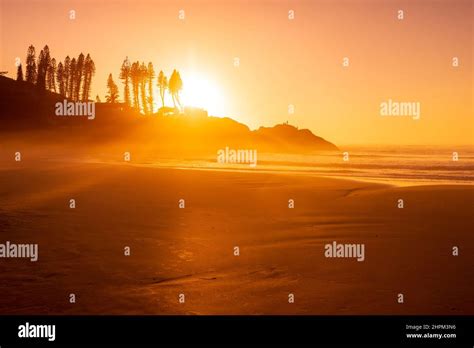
137, 79
71, 78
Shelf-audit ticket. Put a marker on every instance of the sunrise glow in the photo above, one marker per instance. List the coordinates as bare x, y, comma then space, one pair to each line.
202, 92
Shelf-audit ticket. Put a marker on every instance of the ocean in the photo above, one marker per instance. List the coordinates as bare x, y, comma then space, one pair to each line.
399, 165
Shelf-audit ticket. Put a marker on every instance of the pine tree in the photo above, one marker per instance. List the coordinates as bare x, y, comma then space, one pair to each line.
61, 79
51, 76
125, 76
175, 86
179, 87
89, 71
72, 78
19, 73
79, 76
135, 78
112, 97
150, 76
31, 65
44, 61
143, 79
162, 86
67, 76
40, 76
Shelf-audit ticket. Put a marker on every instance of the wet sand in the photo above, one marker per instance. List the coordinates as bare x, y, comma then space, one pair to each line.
190, 251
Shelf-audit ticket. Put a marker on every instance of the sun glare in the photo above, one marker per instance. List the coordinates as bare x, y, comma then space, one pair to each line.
199, 91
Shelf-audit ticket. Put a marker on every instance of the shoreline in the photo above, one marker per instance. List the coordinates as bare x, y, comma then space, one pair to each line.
393, 182
398, 182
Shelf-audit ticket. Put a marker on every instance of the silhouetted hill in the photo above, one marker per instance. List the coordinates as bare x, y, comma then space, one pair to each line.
287, 136
23, 106
26, 109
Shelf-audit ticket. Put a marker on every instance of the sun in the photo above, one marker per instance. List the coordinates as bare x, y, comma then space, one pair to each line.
202, 92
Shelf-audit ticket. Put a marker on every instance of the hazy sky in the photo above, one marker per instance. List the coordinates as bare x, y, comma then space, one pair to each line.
282, 61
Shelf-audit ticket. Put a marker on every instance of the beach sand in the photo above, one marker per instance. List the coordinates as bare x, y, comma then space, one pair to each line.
190, 251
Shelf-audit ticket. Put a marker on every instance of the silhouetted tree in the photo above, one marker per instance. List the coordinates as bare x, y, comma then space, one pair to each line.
44, 61
162, 86
150, 76
72, 76
172, 87
89, 71
143, 80
61, 79
179, 87
79, 74
67, 76
51, 76
125, 76
113, 90
40, 76
135, 78
175, 85
97, 99
31, 65
19, 73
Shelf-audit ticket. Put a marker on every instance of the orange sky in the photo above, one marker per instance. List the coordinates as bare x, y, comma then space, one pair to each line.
282, 61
